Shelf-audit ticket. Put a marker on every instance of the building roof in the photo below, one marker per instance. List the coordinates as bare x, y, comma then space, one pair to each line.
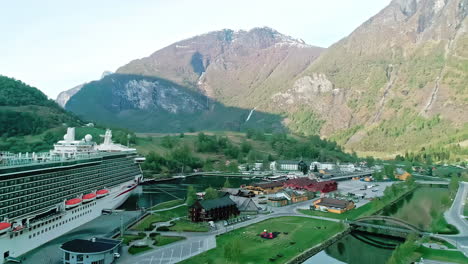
217, 203
304, 181
96, 245
331, 202
268, 184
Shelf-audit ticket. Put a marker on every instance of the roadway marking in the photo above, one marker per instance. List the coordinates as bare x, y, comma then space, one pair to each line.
151, 261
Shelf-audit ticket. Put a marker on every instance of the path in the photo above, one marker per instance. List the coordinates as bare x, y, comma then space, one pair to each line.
455, 217
167, 209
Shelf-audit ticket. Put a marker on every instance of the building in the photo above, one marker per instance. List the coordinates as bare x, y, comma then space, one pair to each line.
288, 165
273, 165
311, 185
287, 197
347, 167
245, 205
266, 187
333, 205
322, 166
401, 174
213, 210
93, 251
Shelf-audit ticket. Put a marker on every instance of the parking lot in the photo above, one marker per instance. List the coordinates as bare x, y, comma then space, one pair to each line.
355, 186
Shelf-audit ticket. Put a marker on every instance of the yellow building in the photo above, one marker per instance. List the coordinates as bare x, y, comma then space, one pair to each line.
333, 205
403, 176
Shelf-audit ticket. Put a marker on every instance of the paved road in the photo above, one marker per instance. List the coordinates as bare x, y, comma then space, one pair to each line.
455, 217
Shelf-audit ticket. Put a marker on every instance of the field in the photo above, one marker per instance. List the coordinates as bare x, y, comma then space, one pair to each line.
183, 225
440, 255
244, 245
167, 204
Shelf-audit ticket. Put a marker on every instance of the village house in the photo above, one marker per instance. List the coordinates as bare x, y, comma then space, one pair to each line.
402, 175
245, 205
311, 185
322, 166
333, 205
288, 165
213, 210
266, 187
287, 197
347, 167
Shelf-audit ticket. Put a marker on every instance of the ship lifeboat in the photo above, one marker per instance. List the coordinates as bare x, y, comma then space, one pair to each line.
89, 197
102, 193
4, 227
72, 203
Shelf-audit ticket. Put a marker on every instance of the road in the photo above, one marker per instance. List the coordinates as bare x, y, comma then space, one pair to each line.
197, 243
455, 217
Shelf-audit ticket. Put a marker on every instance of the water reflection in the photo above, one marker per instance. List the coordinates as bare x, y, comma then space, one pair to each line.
357, 248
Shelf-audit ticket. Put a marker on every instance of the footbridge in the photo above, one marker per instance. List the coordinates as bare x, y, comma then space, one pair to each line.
395, 226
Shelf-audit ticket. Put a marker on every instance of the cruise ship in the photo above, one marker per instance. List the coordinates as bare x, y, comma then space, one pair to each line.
45, 195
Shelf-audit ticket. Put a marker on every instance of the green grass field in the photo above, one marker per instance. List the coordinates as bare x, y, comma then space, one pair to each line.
126, 239
440, 255
167, 204
135, 250
296, 235
183, 225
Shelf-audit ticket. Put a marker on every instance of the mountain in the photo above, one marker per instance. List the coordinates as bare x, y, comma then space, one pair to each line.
64, 96
149, 104
25, 110
219, 75
398, 82
233, 67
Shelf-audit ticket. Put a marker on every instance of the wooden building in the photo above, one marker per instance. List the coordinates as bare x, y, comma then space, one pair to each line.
266, 187
311, 185
333, 205
213, 210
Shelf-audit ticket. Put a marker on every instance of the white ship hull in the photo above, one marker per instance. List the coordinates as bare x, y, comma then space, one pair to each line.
18, 244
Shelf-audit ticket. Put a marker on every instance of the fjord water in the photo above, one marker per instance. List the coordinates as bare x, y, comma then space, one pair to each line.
149, 195
356, 248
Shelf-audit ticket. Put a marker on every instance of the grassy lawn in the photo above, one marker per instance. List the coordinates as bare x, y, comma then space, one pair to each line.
164, 216
129, 238
183, 225
297, 235
441, 255
164, 240
135, 250
167, 204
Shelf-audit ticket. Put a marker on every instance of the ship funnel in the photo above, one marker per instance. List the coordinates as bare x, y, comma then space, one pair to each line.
70, 136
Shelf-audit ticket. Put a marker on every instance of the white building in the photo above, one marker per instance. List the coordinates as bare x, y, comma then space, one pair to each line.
347, 167
322, 166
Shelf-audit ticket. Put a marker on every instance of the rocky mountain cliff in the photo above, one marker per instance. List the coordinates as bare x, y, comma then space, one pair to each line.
149, 104
398, 81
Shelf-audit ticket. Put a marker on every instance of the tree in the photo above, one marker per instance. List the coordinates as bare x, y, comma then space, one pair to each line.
191, 196
378, 175
210, 194
370, 161
315, 168
302, 166
453, 185
227, 184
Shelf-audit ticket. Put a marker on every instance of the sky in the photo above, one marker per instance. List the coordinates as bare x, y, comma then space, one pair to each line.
55, 45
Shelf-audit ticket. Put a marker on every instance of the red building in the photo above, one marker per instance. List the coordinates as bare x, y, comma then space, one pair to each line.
311, 185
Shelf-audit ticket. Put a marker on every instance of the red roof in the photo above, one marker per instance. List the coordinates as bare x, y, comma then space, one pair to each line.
104, 191
73, 201
311, 185
4, 225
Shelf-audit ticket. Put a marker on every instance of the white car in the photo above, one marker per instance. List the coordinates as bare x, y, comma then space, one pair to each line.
116, 255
